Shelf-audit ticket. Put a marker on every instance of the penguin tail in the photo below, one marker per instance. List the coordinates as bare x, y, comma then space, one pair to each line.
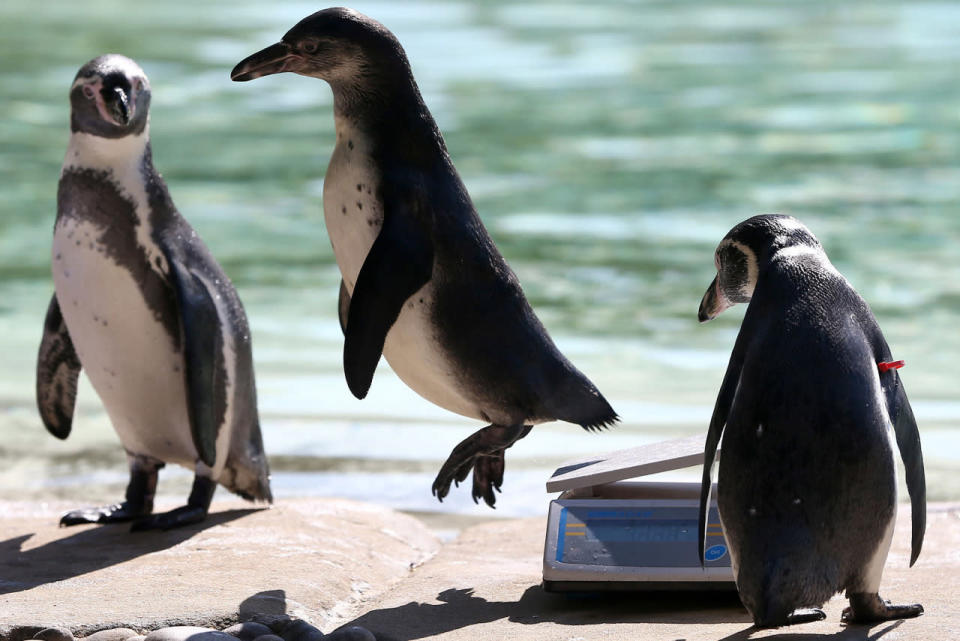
577, 400
248, 476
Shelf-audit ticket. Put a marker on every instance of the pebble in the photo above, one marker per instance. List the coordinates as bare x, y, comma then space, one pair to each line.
184, 632
54, 634
353, 633
116, 634
298, 630
248, 631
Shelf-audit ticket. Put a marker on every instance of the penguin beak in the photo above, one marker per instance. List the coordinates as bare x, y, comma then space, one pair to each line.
118, 105
274, 59
712, 303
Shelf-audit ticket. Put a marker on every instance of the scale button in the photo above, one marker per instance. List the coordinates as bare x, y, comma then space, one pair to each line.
715, 552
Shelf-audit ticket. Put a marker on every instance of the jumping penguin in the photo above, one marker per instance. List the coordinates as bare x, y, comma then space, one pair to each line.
423, 283
807, 484
144, 308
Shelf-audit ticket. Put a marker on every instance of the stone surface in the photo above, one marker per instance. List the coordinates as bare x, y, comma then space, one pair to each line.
486, 585
114, 634
184, 632
483, 585
54, 634
269, 637
312, 558
248, 631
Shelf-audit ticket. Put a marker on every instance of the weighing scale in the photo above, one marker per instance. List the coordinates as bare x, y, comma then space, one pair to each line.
607, 533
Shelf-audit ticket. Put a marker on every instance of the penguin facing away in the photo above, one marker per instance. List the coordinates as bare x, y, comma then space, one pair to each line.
142, 306
807, 480
423, 283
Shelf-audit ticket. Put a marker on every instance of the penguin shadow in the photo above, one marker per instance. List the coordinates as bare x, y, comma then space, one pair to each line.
91, 549
460, 608
849, 633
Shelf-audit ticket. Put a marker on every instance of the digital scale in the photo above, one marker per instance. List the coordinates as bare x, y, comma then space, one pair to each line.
605, 532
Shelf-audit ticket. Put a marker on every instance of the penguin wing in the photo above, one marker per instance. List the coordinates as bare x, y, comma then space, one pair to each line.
908, 441
203, 356
721, 410
399, 263
58, 368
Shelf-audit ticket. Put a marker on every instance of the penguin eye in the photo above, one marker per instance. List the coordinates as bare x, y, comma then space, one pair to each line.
89, 92
137, 84
310, 46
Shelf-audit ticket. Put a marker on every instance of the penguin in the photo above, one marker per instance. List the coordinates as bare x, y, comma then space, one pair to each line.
422, 281
807, 489
142, 306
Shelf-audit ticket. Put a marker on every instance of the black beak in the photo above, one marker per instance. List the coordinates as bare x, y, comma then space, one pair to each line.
708, 304
119, 105
274, 59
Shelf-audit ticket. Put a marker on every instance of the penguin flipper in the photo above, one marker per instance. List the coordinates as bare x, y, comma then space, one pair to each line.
718, 421
908, 442
203, 360
58, 368
399, 263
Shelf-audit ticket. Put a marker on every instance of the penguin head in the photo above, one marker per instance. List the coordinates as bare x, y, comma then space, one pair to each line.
110, 98
338, 45
744, 252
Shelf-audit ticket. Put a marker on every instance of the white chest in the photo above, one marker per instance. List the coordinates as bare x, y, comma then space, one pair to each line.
354, 216
351, 208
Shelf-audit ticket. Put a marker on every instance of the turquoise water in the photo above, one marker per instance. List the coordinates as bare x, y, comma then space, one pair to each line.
608, 147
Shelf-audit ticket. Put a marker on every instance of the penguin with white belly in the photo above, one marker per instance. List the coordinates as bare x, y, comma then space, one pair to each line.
423, 283
142, 306
807, 489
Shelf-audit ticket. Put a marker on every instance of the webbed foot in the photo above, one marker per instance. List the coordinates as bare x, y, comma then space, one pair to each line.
116, 513
866, 607
482, 452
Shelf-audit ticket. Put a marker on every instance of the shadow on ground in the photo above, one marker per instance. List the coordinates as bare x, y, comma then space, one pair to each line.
460, 608
849, 633
90, 549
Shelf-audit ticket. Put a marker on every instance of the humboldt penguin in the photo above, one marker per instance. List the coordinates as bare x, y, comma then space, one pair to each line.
141, 305
807, 489
423, 283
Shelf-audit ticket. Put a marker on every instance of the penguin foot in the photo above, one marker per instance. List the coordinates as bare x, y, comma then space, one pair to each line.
868, 607
806, 615
186, 515
193, 512
116, 513
483, 452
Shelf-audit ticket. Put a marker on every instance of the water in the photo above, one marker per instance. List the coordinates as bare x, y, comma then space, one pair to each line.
608, 148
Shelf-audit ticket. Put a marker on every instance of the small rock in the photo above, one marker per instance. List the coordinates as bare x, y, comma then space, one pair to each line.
184, 632
116, 634
139, 637
353, 633
298, 630
248, 631
54, 634
269, 637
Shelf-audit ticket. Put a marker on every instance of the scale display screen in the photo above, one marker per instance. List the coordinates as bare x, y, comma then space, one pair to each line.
631, 537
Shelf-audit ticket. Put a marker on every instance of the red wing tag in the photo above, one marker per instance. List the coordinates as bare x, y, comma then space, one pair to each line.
890, 365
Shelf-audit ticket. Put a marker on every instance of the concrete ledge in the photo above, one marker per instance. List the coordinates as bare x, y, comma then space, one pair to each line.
338, 564
309, 558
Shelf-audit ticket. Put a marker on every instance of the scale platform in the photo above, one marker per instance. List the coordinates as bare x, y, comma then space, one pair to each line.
605, 532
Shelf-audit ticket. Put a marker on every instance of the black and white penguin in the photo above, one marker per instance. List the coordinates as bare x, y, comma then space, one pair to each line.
142, 306
807, 484
423, 283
